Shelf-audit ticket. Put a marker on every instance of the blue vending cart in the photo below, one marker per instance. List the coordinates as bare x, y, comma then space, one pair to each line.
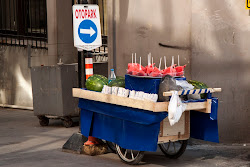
136, 126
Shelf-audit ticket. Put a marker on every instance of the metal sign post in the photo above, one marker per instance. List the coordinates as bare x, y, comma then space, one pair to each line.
87, 36
87, 33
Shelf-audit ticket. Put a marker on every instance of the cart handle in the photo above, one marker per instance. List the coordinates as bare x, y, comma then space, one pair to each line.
193, 91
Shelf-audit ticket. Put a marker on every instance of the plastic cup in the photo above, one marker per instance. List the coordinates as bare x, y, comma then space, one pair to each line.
114, 90
132, 94
126, 93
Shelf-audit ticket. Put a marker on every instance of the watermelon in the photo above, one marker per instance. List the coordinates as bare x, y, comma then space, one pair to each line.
199, 85
96, 82
180, 70
119, 82
149, 68
169, 71
141, 73
120, 78
105, 79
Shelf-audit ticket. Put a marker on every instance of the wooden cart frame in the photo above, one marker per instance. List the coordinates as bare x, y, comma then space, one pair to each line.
178, 132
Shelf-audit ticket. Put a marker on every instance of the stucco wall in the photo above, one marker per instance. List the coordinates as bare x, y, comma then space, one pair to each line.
60, 32
15, 79
142, 24
216, 31
221, 58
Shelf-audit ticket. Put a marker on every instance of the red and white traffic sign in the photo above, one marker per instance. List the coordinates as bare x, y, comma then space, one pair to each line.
86, 25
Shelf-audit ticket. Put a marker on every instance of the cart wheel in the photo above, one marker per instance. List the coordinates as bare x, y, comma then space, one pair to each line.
67, 122
173, 149
131, 157
111, 146
44, 121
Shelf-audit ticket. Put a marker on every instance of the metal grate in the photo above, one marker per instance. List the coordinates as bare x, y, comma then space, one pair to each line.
23, 23
101, 54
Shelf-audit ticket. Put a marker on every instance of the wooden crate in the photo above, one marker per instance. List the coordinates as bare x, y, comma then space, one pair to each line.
179, 131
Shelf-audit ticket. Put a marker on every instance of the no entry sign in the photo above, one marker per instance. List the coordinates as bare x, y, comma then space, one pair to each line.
86, 25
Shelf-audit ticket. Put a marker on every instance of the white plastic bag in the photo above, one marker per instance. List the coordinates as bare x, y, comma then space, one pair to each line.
184, 84
114, 90
175, 108
187, 86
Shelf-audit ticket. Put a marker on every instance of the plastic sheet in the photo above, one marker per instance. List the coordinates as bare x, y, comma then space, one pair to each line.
205, 126
147, 85
175, 108
214, 107
128, 127
138, 129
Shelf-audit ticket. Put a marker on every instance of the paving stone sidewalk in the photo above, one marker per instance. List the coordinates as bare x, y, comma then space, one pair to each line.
23, 142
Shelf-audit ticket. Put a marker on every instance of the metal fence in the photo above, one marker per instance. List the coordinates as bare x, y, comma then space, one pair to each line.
23, 23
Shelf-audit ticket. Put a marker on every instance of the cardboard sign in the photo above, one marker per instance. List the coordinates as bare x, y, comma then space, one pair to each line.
86, 25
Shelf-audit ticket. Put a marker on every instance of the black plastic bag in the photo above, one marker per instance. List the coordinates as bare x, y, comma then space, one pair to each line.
168, 83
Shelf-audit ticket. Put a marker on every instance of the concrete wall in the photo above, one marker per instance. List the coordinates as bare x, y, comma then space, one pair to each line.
15, 79
60, 32
221, 58
139, 26
218, 33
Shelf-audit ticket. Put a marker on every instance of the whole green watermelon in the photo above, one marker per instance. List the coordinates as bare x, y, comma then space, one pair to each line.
96, 82
118, 82
199, 85
120, 78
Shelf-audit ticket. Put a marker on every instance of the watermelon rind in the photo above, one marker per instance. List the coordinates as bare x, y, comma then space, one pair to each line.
199, 85
96, 82
120, 78
118, 82
103, 78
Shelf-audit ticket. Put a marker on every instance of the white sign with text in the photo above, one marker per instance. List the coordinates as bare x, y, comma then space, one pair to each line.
86, 25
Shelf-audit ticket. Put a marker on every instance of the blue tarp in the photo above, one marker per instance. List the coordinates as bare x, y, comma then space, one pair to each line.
147, 85
205, 126
214, 107
130, 128
202, 125
138, 129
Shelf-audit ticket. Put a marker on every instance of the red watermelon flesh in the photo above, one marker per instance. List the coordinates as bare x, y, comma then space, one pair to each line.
133, 65
134, 72
141, 73
149, 68
129, 71
155, 69
155, 74
169, 71
136, 69
180, 70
